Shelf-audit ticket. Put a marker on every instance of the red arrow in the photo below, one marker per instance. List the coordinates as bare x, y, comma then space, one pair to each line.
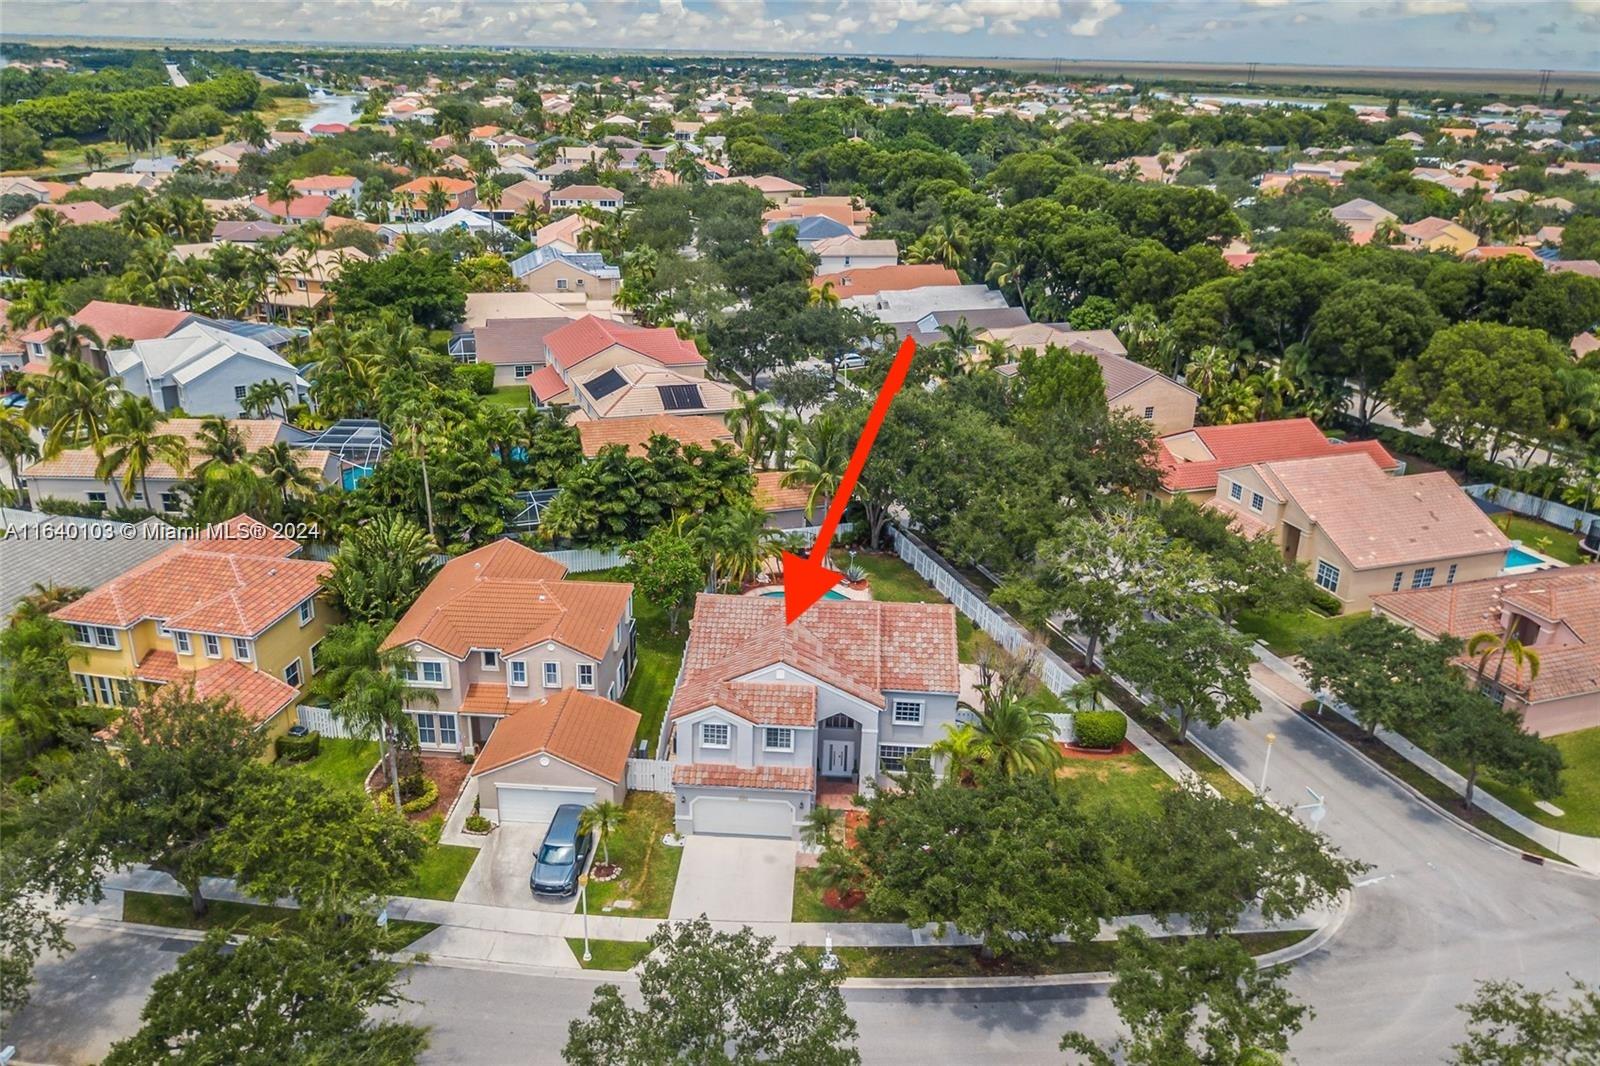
807, 580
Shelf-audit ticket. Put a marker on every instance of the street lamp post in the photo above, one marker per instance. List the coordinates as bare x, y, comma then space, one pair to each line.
1265, 763
583, 887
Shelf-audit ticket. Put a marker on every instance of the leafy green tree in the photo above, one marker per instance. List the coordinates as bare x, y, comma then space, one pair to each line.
1470, 729
1385, 673
1013, 860
1207, 858
1201, 1002
1510, 1025
711, 996
364, 684
40, 707
1364, 330
665, 568
292, 996
380, 568
425, 287
1580, 238
1190, 663
1251, 573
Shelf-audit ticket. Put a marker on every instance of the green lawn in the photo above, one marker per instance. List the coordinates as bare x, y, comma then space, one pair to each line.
343, 763
441, 872
649, 867
1130, 783
1580, 786
660, 654
1286, 632
808, 905
892, 581
509, 396
174, 912
1542, 537
609, 954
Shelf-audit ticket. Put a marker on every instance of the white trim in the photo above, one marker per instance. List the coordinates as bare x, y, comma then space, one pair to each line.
544, 673
894, 711
581, 668
206, 642
299, 669
518, 666
242, 650
766, 738
415, 676
308, 610
705, 742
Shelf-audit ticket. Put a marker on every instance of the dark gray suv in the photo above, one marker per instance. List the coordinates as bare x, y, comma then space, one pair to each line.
563, 855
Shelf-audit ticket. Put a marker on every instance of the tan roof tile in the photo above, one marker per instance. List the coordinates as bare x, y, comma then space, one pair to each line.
258, 433
635, 433
721, 775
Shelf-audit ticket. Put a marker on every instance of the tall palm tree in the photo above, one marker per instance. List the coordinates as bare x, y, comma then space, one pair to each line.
820, 458
71, 404
68, 339
1007, 268
1503, 646
280, 465
822, 294
220, 443
134, 442
261, 397
1208, 370
436, 201
751, 424
365, 685
737, 544
603, 818
489, 195
946, 243
281, 189
16, 443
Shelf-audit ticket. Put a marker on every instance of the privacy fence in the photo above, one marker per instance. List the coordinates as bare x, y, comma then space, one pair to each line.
1557, 514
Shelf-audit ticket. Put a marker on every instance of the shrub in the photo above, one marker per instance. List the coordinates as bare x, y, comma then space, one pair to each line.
417, 794
1099, 729
479, 377
298, 749
477, 823
1325, 601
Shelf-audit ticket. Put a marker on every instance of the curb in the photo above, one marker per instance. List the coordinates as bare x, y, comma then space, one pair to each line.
1563, 865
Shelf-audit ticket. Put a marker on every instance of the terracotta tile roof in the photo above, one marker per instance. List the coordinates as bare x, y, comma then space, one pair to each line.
1566, 599
588, 336
301, 207
635, 433
772, 495
453, 186
1192, 459
508, 597
1379, 521
257, 693
75, 214
586, 192
546, 383
235, 580
869, 281
258, 433
587, 731
485, 697
720, 775
136, 323
562, 229
863, 648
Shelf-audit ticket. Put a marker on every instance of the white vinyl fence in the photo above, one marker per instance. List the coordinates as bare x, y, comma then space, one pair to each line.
580, 560
321, 720
1552, 511
649, 775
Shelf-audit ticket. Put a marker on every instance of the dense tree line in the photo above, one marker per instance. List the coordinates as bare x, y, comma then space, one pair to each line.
82, 112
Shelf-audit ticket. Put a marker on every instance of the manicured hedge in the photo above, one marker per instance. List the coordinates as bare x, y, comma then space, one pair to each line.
298, 749
1099, 729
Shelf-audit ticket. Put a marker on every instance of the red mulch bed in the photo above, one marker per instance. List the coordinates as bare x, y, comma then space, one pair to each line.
1072, 752
450, 774
833, 899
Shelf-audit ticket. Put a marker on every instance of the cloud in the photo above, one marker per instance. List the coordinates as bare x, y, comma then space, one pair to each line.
1099, 13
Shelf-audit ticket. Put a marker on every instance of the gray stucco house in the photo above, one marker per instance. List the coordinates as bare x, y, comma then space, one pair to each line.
766, 715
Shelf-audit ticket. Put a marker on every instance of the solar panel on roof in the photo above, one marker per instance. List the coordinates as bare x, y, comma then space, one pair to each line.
604, 385
680, 397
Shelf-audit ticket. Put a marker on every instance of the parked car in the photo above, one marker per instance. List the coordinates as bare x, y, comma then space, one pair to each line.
563, 855
850, 361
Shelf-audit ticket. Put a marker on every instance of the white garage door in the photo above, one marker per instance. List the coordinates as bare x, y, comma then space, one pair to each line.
524, 803
744, 817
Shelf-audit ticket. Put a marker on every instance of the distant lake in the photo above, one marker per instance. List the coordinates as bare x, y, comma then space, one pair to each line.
332, 109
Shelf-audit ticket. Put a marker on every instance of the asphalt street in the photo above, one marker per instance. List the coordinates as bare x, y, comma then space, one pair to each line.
1440, 909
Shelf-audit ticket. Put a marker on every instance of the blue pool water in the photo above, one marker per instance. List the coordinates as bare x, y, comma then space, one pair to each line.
829, 595
353, 475
1518, 557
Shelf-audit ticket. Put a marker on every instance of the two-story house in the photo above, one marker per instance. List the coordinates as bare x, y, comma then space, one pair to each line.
458, 192
549, 269
202, 370
305, 280
497, 630
767, 716
584, 350
231, 612
332, 186
573, 197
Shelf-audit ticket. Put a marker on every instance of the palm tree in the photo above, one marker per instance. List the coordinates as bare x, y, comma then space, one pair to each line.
490, 194
16, 443
530, 221
1007, 268
1208, 369
126, 129
436, 201
1506, 646
220, 442
282, 190
820, 458
280, 465
134, 442
604, 818
750, 424
946, 243
958, 747
260, 398
68, 339
821, 294
71, 404
738, 544
365, 685
1016, 737
821, 827
250, 129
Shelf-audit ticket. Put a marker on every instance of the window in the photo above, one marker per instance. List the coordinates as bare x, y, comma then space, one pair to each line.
491, 660
213, 646
586, 675
561, 284
552, 675
1422, 578
519, 672
1450, 574
82, 634
778, 740
892, 757
105, 637
522, 371
85, 686
1235, 491
1257, 501
300, 283
907, 712
239, 392
1328, 576
715, 735
308, 611
102, 690
447, 730
180, 640
838, 721
1150, 414
427, 672
311, 657
241, 649
169, 502
1399, 576
437, 730
291, 673
427, 731
98, 497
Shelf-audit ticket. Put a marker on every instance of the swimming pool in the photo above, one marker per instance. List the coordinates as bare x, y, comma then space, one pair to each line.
829, 595
1517, 557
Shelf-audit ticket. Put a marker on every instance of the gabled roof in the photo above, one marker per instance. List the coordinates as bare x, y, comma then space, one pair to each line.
586, 192
508, 597
258, 694
134, 322
592, 263
867, 281
588, 336
258, 433
637, 389
191, 351
590, 732
236, 580
1191, 460
421, 186
864, 648
635, 433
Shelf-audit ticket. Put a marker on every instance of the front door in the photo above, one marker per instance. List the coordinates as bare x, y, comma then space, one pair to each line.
838, 758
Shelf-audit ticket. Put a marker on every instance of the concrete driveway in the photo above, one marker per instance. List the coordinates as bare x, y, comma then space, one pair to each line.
735, 879
499, 877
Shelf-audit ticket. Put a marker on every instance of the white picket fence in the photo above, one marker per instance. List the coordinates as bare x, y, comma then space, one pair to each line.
649, 775
321, 720
1057, 676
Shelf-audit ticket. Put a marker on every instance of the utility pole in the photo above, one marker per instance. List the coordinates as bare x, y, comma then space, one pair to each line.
1250, 76
1544, 83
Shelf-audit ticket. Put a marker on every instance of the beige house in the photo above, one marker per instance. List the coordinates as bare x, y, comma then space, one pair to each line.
1190, 460
1438, 235
588, 349
551, 270
305, 279
1555, 613
1167, 405
1359, 532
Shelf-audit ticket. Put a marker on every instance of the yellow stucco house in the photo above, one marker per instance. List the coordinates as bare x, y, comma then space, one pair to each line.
1437, 235
230, 612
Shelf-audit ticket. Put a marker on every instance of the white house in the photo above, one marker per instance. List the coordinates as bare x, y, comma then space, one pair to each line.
202, 370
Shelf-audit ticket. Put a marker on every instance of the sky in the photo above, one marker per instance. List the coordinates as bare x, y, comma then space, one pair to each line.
1563, 34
